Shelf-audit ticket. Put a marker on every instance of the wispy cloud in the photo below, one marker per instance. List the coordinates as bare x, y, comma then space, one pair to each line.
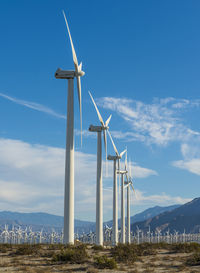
32, 179
33, 105
140, 172
191, 158
192, 165
159, 199
158, 123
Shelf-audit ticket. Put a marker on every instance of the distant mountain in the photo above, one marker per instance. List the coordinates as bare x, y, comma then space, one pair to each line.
41, 220
47, 221
148, 213
185, 217
151, 212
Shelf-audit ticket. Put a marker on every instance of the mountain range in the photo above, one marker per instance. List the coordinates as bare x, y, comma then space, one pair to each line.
48, 221
185, 217
176, 217
146, 214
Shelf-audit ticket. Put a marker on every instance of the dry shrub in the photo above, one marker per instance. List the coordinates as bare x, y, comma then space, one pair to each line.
26, 249
161, 245
97, 248
71, 254
103, 262
55, 246
146, 249
128, 253
125, 253
186, 247
5, 247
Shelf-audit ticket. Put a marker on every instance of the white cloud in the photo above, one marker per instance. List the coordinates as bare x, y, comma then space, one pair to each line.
157, 123
34, 106
32, 179
192, 165
159, 199
140, 172
191, 159
129, 136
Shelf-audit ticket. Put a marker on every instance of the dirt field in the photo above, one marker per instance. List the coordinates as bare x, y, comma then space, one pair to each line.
86, 258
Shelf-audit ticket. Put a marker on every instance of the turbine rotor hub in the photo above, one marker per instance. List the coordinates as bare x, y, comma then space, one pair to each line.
80, 73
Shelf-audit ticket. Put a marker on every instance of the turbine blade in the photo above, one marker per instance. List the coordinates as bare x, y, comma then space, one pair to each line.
118, 164
127, 177
105, 144
80, 103
105, 141
72, 45
134, 190
126, 161
129, 165
80, 67
108, 120
113, 145
97, 110
122, 153
132, 187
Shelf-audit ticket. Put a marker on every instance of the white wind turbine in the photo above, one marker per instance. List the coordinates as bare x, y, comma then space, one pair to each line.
115, 159
123, 172
129, 183
99, 193
5, 234
69, 160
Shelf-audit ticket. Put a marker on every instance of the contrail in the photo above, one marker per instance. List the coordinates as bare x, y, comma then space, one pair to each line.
33, 105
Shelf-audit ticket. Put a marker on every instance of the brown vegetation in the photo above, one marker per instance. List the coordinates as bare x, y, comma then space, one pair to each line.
130, 258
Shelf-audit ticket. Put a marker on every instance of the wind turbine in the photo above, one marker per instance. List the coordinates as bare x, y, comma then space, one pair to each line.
99, 194
123, 172
128, 183
69, 159
115, 159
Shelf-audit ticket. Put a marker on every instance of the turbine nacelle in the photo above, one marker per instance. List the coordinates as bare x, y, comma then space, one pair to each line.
68, 74
122, 172
93, 128
113, 157
65, 74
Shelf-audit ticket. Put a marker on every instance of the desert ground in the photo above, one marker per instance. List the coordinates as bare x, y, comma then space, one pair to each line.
131, 258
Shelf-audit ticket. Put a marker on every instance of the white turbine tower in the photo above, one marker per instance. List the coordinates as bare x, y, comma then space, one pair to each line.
69, 160
129, 183
123, 172
99, 193
115, 159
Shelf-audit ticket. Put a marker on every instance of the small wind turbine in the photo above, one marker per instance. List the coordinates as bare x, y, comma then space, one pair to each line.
129, 183
69, 160
115, 159
99, 194
138, 235
149, 234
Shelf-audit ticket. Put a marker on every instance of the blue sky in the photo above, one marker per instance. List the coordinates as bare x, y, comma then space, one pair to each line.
141, 60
